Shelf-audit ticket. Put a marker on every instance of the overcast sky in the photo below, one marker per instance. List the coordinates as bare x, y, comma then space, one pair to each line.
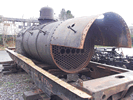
31, 8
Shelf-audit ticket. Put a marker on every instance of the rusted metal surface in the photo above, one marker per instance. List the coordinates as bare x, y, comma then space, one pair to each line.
71, 32
105, 82
95, 70
103, 88
112, 84
111, 30
69, 45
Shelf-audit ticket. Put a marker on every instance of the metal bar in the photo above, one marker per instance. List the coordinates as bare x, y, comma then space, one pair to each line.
5, 62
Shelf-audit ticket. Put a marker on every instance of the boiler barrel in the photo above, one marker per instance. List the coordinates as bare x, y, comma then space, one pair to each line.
69, 45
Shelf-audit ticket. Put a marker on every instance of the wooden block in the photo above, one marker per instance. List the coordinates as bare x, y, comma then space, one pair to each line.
35, 95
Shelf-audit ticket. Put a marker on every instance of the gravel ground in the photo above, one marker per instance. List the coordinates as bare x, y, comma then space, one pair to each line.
12, 86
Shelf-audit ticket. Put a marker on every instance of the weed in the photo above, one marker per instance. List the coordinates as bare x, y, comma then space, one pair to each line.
27, 88
27, 80
9, 84
18, 82
18, 93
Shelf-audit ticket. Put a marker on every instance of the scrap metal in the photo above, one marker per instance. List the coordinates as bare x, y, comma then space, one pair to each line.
110, 56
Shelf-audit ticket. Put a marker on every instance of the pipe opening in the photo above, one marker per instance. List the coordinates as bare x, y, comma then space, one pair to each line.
77, 51
68, 51
73, 51
62, 51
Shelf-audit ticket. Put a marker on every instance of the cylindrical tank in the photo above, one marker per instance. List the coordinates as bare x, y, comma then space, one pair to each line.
69, 45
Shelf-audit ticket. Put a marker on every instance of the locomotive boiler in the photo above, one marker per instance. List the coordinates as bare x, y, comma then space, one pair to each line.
69, 44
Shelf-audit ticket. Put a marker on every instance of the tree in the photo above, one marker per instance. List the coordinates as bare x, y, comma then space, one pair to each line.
64, 15
69, 15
